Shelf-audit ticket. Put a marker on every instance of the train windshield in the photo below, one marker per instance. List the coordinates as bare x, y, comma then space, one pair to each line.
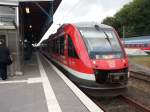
101, 43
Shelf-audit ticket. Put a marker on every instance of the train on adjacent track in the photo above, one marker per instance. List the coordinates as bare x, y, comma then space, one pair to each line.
141, 42
92, 55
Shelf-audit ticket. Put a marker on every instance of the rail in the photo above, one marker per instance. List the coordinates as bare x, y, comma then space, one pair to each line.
140, 75
135, 103
137, 106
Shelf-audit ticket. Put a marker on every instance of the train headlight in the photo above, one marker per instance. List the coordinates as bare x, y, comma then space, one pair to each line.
124, 62
94, 62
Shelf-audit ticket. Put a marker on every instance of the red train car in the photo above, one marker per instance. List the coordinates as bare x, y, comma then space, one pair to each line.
141, 42
93, 55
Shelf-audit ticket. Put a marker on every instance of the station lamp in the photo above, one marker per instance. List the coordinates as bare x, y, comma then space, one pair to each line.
27, 10
30, 26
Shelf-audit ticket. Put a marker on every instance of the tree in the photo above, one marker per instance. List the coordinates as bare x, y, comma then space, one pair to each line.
135, 17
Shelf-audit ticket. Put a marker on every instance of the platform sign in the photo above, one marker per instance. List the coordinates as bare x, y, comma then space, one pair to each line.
6, 25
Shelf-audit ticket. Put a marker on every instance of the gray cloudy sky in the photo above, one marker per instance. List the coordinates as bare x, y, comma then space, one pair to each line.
87, 10
84, 10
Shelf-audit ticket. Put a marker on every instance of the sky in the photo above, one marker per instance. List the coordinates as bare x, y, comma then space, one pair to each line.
71, 11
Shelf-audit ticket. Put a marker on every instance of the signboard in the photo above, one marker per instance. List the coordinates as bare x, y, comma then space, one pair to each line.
7, 25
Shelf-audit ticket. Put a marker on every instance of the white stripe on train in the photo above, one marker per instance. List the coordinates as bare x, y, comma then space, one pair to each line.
76, 73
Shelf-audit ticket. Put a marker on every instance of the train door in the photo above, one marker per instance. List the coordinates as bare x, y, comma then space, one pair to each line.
72, 55
62, 49
65, 50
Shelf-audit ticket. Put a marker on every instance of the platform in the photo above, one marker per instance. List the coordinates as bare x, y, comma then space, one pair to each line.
41, 89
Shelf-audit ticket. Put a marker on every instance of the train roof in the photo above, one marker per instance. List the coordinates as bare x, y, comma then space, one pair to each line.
91, 24
82, 24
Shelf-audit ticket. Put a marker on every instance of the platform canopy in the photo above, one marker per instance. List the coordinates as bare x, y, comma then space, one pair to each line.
34, 23
16, 2
7, 18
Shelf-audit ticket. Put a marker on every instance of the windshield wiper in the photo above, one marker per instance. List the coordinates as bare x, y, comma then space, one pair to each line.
109, 41
107, 38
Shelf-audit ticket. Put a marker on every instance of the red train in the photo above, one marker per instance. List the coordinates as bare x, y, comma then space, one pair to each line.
93, 56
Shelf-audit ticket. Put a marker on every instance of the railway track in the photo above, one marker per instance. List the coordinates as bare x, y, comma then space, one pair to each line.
138, 105
139, 81
136, 99
138, 85
120, 104
140, 75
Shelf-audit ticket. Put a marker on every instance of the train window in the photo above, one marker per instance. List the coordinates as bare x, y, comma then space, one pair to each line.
57, 45
49, 45
71, 49
145, 45
101, 42
62, 43
54, 46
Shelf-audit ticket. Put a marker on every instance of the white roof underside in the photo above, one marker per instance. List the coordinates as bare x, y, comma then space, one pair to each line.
91, 24
16, 2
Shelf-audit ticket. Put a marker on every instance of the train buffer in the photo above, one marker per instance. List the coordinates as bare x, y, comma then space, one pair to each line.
42, 88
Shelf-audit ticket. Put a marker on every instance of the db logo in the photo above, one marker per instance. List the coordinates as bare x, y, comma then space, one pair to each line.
111, 63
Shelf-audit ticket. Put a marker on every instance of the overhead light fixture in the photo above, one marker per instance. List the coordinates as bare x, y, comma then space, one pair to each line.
27, 10
30, 26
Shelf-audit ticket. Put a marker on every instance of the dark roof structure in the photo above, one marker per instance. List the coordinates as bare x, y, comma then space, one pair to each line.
40, 18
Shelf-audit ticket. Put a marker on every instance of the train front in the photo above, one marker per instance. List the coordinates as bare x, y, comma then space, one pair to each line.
108, 60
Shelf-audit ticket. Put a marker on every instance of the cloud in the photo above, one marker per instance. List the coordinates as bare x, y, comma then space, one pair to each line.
84, 10
87, 10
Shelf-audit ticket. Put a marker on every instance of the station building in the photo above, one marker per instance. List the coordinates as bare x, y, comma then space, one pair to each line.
21, 22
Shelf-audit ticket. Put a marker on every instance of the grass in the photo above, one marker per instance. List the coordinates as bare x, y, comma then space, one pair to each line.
141, 60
